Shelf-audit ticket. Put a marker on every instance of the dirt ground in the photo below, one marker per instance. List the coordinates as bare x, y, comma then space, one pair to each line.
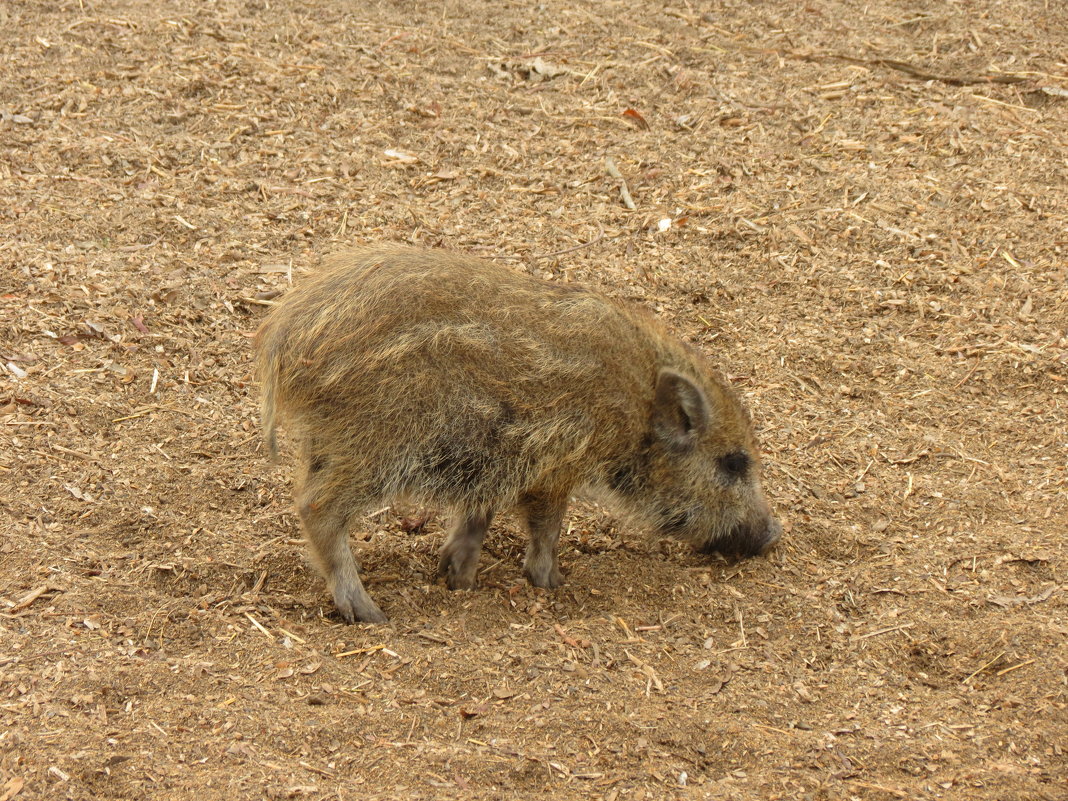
858, 210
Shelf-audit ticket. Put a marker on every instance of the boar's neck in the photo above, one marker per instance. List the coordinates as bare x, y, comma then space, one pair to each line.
637, 351
626, 475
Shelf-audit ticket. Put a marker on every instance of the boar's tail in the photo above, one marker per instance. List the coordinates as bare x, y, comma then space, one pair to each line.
268, 421
267, 374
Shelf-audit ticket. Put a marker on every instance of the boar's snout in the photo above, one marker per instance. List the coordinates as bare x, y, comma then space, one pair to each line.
772, 534
747, 539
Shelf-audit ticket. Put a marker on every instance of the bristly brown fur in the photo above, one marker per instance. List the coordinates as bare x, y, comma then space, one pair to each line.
466, 384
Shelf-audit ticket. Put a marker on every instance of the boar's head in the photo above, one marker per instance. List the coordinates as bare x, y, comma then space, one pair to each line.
700, 474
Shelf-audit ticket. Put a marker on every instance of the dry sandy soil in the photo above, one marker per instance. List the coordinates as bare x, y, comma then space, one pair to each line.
857, 209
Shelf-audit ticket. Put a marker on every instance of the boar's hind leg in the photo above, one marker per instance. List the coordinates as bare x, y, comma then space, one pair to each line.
544, 516
326, 525
459, 555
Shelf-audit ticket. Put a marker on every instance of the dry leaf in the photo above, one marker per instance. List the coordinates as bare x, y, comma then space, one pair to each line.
1006, 601
20, 119
545, 69
400, 156
636, 116
77, 493
413, 525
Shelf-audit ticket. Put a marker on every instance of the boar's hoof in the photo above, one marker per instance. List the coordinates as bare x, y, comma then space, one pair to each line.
457, 574
457, 581
355, 604
550, 578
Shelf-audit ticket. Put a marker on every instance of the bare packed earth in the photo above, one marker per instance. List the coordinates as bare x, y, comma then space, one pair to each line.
858, 210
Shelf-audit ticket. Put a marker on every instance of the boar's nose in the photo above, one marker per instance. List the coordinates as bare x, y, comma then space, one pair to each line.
747, 539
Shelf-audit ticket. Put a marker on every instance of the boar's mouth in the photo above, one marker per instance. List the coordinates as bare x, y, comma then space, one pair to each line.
746, 540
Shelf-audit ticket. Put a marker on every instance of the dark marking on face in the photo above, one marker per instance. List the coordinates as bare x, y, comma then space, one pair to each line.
735, 465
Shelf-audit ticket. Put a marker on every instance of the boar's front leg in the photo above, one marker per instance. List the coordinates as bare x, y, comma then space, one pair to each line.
544, 515
458, 560
325, 517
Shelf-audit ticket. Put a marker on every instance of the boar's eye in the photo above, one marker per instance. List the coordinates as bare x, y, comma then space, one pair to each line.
735, 465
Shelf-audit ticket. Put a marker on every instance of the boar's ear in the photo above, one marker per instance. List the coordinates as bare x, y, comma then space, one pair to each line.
680, 410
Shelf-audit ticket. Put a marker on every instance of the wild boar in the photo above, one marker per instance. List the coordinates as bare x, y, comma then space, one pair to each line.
435, 377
